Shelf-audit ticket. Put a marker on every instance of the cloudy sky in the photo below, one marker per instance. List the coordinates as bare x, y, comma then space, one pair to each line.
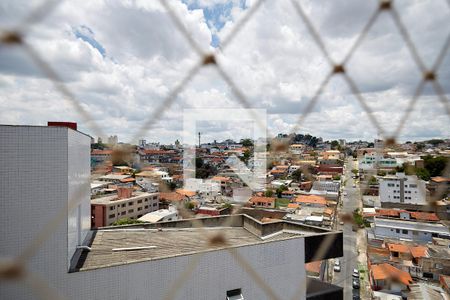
122, 58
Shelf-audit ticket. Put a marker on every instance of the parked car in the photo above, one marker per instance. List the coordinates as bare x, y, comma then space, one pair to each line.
355, 283
355, 273
356, 297
337, 265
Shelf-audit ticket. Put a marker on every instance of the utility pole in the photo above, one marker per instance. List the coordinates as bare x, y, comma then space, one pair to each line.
199, 135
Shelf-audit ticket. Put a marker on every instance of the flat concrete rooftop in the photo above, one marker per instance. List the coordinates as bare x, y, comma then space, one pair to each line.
113, 246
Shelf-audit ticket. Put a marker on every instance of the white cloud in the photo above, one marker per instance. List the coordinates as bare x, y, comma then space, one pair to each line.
273, 60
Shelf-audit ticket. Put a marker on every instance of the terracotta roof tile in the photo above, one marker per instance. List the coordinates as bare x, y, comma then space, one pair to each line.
255, 199
385, 271
398, 248
312, 199
418, 251
186, 193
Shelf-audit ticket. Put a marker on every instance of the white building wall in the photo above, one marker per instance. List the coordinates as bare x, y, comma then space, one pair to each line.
408, 230
216, 273
40, 173
414, 190
78, 210
34, 190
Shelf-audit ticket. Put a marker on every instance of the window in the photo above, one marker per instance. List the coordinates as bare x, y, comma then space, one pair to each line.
139, 208
413, 185
404, 231
130, 203
397, 230
234, 294
155, 198
112, 207
438, 266
146, 207
130, 210
122, 213
139, 201
112, 216
146, 200
155, 204
123, 205
391, 185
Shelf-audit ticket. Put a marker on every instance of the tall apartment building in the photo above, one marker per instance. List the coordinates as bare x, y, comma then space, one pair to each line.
126, 204
43, 170
46, 168
401, 188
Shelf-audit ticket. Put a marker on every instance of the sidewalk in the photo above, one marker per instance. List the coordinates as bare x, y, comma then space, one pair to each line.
361, 244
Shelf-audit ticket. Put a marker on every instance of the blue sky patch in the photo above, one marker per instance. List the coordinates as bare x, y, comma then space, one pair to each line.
216, 15
86, 34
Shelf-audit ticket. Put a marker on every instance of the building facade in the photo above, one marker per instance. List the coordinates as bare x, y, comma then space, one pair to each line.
126, 204
401, 188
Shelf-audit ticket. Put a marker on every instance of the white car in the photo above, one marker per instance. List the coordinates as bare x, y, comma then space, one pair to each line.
355, 273
337, 266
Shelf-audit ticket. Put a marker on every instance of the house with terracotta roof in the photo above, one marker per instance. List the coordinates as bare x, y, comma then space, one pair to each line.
311, 200
263, 202
386, 277
179, 197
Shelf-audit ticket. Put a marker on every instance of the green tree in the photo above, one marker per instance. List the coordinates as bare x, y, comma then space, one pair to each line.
189, 205
172, 185
423, 174
337, 177
247, 155
335, 145
355, 171
247, 142
280, 190
381, 173
297, 175
268, 193
435, 165
372, 181
199, 162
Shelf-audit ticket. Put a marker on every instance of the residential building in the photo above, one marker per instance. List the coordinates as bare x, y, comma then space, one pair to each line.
126, 204
408, 230
387, 277
113, 140
161, 215
401, 188
376, 161
99, 156
263, 202
114, 178
139, 260
311, 200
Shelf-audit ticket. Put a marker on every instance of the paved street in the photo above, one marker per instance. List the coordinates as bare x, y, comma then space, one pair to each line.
351, 200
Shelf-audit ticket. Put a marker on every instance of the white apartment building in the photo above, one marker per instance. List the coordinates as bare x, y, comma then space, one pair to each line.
401, 188
44, 169
375, 160
409, 230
